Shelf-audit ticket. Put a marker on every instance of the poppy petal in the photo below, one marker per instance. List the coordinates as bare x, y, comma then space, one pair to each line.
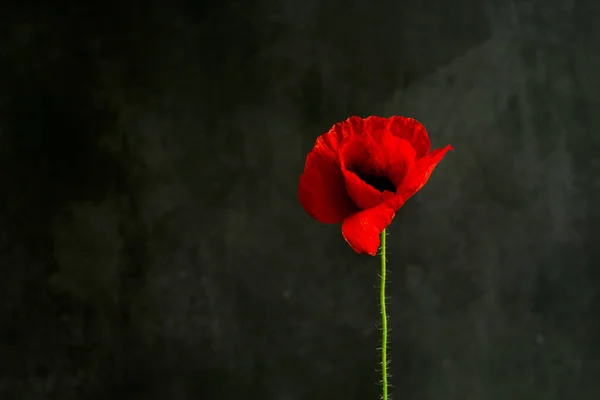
322, 192
411, 130
333, 139
374, 123
357, 152
353, 126
362, 229
397, 157
362, 194
418, 176
378, 155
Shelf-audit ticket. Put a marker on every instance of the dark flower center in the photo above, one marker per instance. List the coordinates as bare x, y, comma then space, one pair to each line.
380, 183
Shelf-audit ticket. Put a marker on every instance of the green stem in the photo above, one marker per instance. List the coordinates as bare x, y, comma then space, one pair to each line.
384, 328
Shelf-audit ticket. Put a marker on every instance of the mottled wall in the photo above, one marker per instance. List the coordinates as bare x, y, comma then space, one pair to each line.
151, 241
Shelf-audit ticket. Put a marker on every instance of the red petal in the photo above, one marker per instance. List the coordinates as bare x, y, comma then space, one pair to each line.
322, 191
418, 176
374, 123
411, 130
397, 157
340, 131
378, 154
357, 151
362, 194
362, 229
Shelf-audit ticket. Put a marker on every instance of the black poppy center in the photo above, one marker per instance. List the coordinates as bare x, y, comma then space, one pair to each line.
381, 183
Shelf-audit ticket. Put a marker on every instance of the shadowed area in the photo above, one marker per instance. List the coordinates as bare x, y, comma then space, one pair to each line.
380, 183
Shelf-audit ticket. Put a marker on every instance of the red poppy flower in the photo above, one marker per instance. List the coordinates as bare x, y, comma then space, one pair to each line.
362, 171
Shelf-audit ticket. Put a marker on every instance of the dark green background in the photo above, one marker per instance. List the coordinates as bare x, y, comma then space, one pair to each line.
151, 241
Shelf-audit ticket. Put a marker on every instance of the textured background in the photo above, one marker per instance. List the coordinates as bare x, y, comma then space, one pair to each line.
152, 245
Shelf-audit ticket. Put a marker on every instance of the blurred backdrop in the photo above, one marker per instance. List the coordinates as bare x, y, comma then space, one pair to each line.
152, 245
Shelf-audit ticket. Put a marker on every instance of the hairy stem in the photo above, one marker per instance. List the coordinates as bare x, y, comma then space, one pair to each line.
384, 328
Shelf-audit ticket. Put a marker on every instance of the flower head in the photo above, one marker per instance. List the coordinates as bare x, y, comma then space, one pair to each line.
362, 171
